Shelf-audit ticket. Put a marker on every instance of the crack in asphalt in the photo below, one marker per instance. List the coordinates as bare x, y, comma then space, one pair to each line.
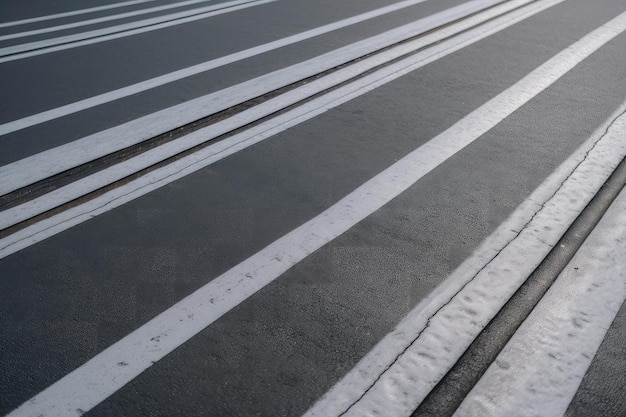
509, 242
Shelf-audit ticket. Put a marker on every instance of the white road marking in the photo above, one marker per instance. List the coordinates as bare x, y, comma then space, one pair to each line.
395, 377
22, 173
72, 13
101, 376
100, 19
26, 50
90, 102
539, 370
105, 177
436, 333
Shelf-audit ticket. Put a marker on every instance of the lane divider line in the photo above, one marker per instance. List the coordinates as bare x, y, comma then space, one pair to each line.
114, 173
142, 86
20, 173
101, 376
398, 373
71, 13
101, 19
430, 340
539, 371
27, 50
189, 164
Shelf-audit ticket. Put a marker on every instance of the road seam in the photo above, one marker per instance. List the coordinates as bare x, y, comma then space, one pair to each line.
102, 375
542, 365
275, 122
403, 390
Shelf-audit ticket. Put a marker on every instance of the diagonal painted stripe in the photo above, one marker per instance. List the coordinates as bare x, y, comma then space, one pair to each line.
538, 372
21, 173
101, 19
26, 50
395, 377
101, 376
72, 13
90, 102
105, 177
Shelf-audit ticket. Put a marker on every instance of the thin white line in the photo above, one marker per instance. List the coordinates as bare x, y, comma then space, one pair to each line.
240, 141
193, 70
21, 173
72, 13
26, 50
540, 369
103, 375
101, 19
395, 377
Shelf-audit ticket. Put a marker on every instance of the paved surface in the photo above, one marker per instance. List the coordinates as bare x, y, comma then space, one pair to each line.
69, 297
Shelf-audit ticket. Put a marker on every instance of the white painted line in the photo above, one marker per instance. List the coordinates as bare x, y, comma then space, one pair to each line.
26, 50
100, 19
105, 177
22, 173
101, 376
437, 333
395, 377
72, 13
206, 66
539, 370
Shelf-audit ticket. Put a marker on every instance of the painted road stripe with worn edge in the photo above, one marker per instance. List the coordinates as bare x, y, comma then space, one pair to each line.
101, 19
114, 173
349, 52
101, 376
71, 13
539, 371
432, 349
27, 50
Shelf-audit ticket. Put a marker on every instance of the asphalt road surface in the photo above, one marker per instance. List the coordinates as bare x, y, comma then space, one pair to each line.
297, 207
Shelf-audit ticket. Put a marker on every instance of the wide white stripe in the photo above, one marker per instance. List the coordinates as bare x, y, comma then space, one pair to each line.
205, 66
101, 19
105, 177
72, 13
538, 372
26, 50
395, 377
102, 375
21, 173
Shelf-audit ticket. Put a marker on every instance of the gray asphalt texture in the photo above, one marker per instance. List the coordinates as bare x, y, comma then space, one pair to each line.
71, 296
601, 392
47, 81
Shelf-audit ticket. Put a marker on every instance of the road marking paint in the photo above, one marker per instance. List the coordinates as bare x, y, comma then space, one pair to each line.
395, 377
100, 377
26, 50
538, 372
199, 68
105, 177
72, 13
21, 173
100, 19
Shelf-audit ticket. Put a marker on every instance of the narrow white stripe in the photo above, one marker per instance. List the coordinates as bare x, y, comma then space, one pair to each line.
105, 177
539, 370
26, 50
435, 335
196, 69
101, 376
21, 173
101, 19
72, 13
384, 384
